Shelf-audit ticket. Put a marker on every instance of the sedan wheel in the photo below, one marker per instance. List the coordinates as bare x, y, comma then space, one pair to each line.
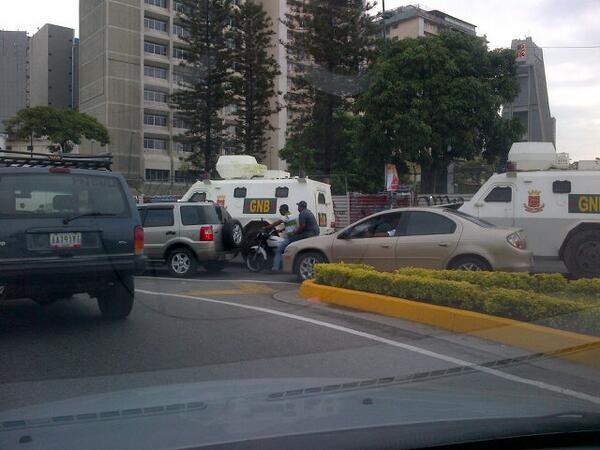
306, 265
471, 264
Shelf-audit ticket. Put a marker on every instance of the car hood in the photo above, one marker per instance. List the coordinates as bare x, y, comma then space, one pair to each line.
185, 415
323, 242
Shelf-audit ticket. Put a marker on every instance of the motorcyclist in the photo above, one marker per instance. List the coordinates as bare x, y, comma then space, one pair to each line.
307, 227
287, 219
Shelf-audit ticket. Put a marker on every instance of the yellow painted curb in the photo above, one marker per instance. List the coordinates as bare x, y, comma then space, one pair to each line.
576, 347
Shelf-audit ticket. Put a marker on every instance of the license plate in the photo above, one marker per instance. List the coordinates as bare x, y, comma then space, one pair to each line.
65, 240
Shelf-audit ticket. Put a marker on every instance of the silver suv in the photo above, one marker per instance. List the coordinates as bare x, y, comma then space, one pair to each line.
185, 235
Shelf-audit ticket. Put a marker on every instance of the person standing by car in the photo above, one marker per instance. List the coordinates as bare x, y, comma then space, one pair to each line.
307, 227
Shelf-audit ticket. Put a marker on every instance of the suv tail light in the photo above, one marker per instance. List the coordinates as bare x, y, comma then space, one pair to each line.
138, 240
517, 241
206, 233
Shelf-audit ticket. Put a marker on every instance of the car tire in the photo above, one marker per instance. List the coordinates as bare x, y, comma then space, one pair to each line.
305, 265
470, 263
182, 263
215, 266
582, 254
116, 301
233, 234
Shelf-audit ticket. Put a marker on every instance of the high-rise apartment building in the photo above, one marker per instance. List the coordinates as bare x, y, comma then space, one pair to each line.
52, 69
14, 73
130, 63
411, 21
531, 106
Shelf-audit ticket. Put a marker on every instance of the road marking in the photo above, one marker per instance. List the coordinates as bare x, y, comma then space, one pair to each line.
196, 280
382, 340
242, 289
216, 292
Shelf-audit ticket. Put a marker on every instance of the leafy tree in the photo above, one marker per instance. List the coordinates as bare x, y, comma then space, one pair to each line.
436, 99
253, 81
331, 44
63, 127
207, 66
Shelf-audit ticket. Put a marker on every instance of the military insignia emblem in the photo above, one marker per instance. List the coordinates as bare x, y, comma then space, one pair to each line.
534, 202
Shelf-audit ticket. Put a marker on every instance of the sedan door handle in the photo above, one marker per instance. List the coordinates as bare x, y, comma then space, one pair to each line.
385, 246
443, 244
170, 233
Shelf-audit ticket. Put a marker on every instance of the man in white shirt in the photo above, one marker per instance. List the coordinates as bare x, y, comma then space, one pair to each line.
289, 221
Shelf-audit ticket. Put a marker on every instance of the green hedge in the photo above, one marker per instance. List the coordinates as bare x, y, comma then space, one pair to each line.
542, 283
488, 294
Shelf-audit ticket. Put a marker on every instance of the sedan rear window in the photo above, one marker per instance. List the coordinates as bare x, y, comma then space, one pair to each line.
422, 223
61, 195
199, 215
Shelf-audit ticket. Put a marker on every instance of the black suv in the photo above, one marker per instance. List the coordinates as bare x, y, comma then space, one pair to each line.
68, 225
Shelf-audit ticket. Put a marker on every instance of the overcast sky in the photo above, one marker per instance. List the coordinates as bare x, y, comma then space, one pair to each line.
573, 75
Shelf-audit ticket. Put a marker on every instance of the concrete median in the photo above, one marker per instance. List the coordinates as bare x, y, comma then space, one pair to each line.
575, 347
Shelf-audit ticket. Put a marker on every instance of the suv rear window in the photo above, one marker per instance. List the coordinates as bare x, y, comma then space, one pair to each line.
199, 215
61, 195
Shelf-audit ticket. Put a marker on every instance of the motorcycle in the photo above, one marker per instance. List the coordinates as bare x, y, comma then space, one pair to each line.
260, 255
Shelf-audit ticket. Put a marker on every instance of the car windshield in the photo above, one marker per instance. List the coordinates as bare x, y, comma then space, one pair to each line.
299, 223
57, 195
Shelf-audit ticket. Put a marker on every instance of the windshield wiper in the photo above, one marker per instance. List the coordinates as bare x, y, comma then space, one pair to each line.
66, 220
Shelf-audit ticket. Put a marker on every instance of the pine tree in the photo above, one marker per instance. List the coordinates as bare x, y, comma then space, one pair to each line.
207, 66
253, 82
331, 44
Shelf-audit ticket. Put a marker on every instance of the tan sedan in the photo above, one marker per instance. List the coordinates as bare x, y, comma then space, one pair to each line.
414, 237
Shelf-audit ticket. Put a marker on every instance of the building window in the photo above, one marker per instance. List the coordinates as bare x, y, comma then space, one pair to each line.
155, 120
178, 122
180, 31
180, 53
157, 49
155, 24
159, 3
180, 79
157, 175
321, 199
155, 96
184, 147
155, 144
186, 176
156, 72
179, 7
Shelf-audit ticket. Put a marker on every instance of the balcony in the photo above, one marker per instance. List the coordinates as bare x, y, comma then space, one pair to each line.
155, 7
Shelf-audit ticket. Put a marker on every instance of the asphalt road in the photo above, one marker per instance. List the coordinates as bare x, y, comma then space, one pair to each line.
233, 326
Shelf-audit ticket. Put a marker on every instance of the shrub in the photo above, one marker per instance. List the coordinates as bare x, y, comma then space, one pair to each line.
541, 283
585, 286
465, 291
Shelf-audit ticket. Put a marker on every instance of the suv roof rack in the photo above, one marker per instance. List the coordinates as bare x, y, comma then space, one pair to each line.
10, 158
